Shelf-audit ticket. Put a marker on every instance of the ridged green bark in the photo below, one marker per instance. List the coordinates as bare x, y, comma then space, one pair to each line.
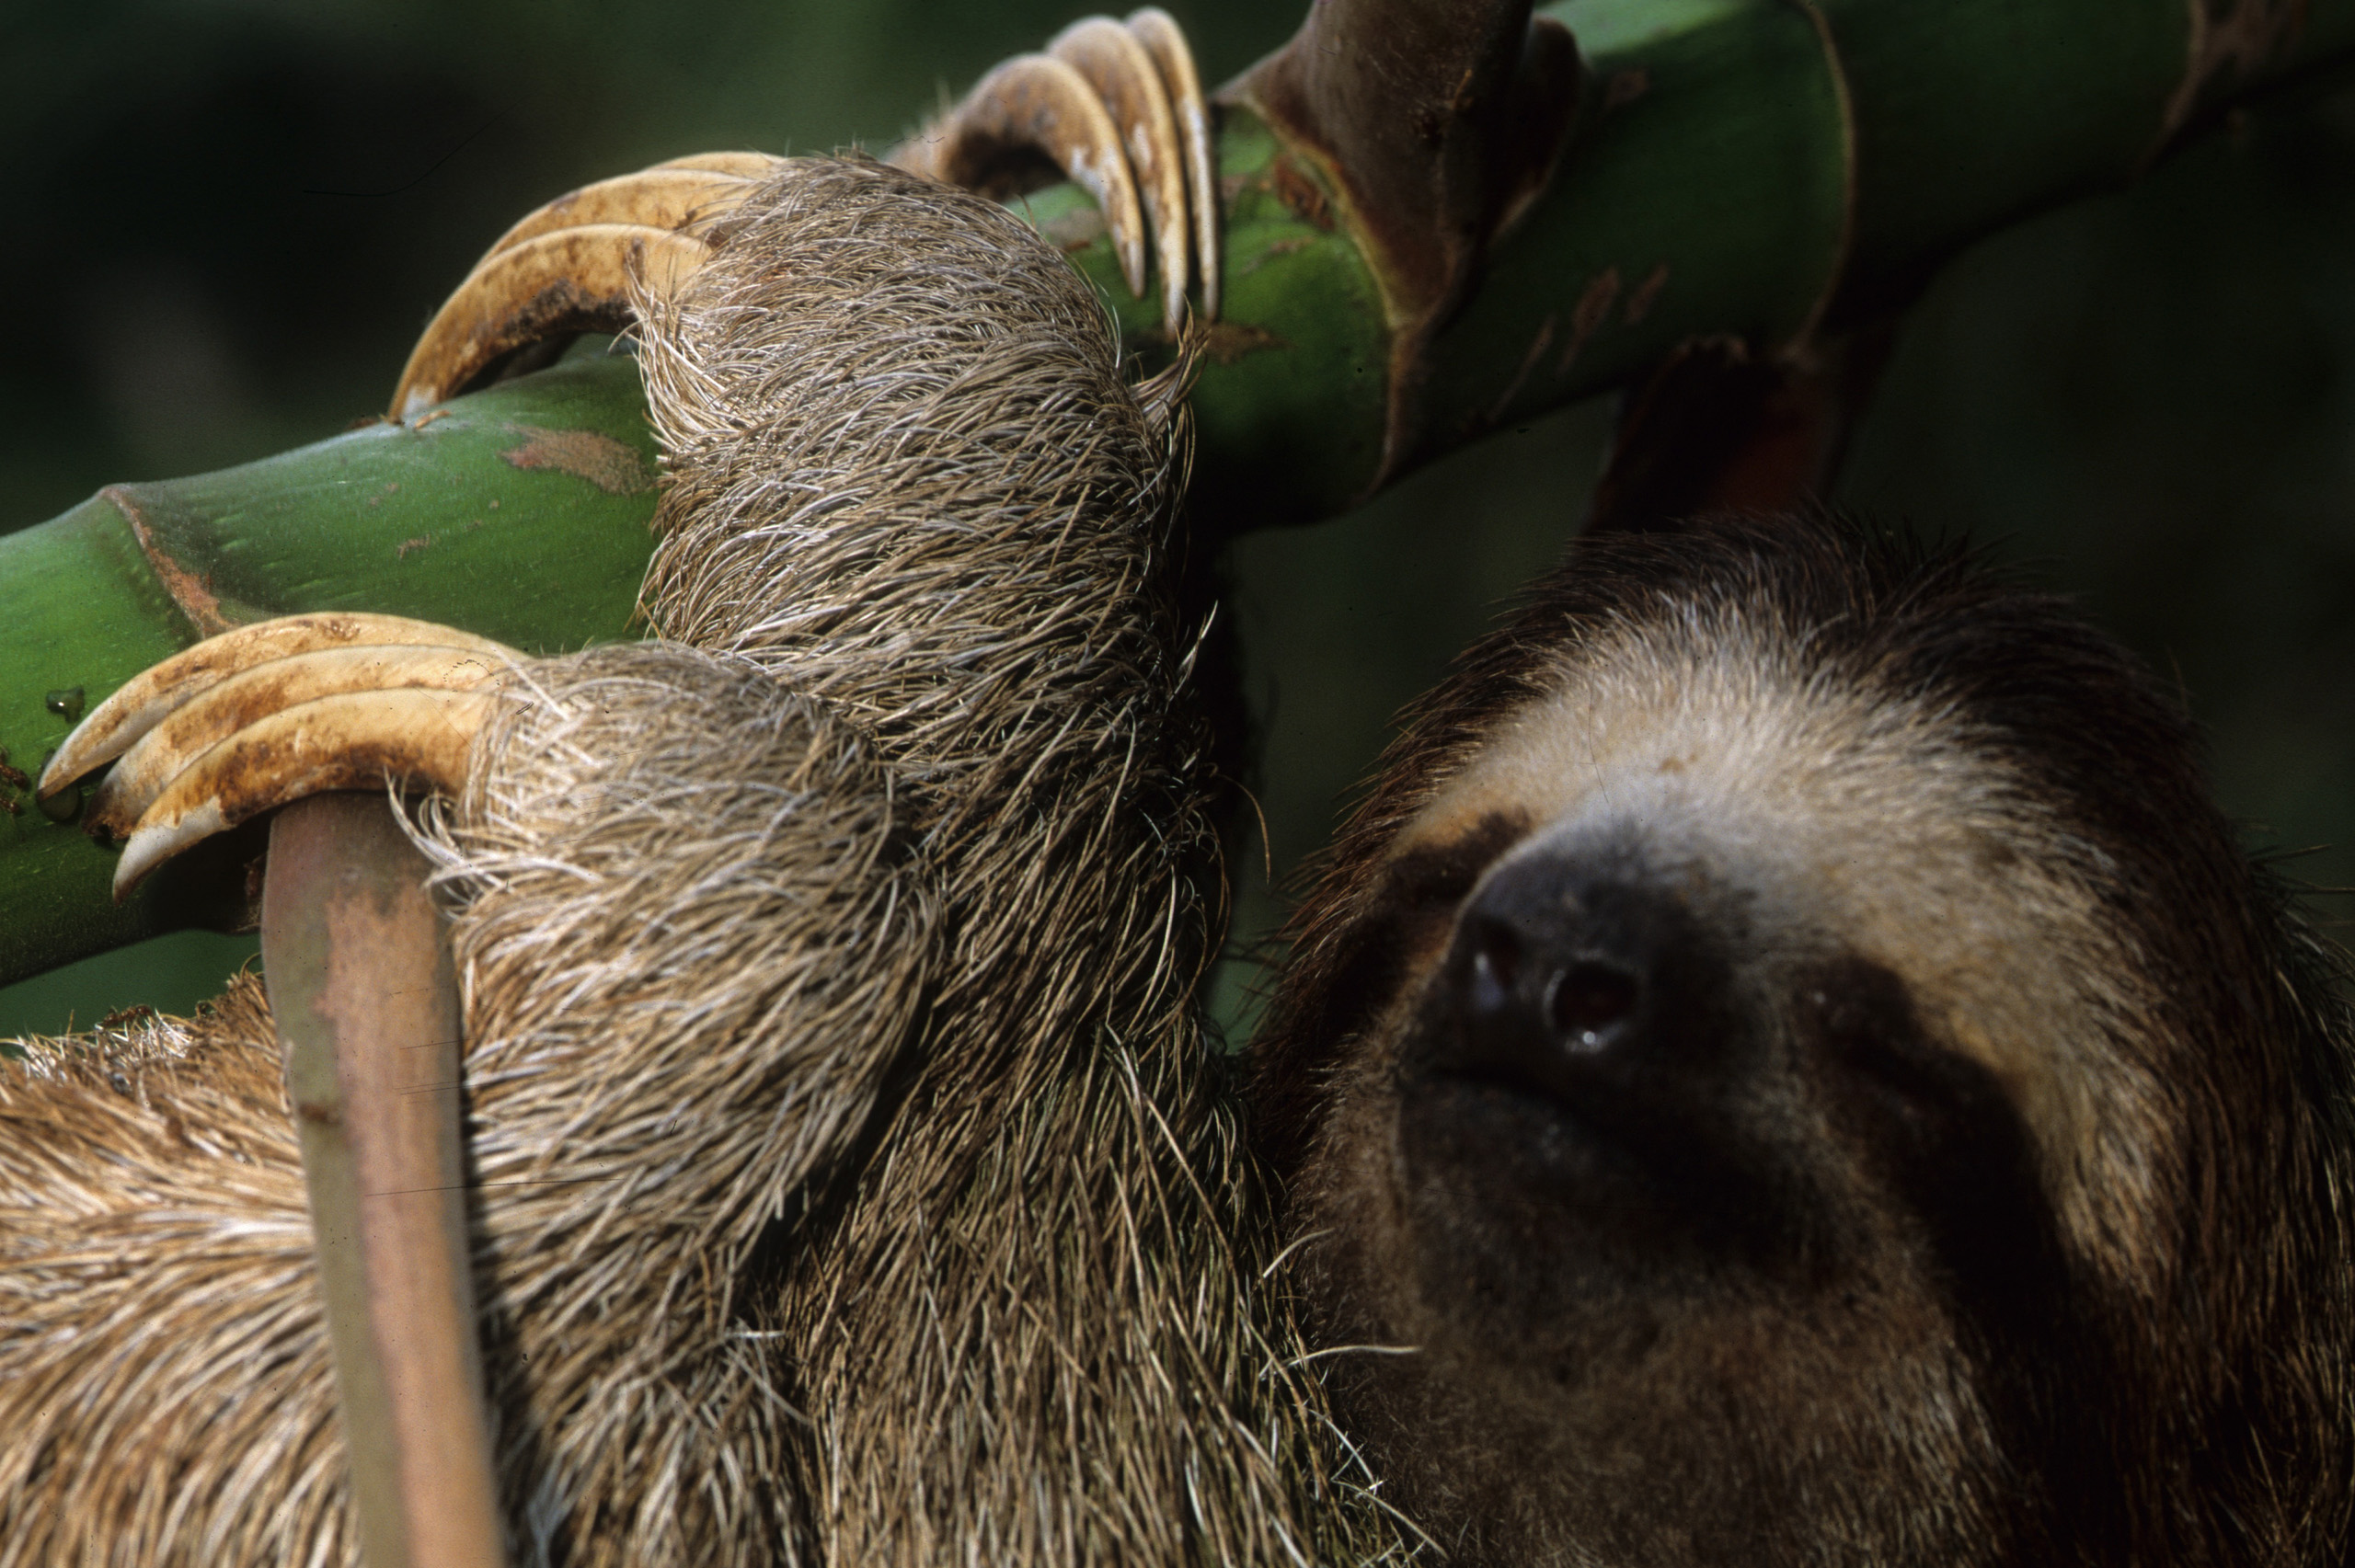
522, 514
1757, 169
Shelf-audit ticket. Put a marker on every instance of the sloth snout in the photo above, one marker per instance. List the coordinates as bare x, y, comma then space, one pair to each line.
1569, 964
1582, 1063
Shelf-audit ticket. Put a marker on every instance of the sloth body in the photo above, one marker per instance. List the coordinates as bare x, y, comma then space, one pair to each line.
853, 1182
1792, 1047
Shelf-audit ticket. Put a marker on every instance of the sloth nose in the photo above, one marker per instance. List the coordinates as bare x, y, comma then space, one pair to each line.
1559, 962
1521, 982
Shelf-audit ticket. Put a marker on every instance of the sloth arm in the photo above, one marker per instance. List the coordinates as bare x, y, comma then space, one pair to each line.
266, 714
652, 1073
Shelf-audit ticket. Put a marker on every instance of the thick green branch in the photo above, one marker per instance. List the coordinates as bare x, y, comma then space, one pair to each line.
1737, 169
522, 514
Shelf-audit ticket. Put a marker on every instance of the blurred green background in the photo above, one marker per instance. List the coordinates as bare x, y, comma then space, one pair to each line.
227, 220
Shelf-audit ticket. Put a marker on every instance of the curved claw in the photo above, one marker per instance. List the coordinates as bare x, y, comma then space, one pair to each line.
1118, 108
267, 713
183, 736
566, 268
1162, 38
743, 165
351, 741
668, 196
143, 701
1036, 103
572, 279
1117, 66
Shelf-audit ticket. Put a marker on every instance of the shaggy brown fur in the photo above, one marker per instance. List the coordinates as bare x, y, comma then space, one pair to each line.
1792, 1054
852, 1185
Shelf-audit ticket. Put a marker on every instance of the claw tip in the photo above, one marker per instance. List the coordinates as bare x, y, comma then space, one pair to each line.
150, 846
63, 767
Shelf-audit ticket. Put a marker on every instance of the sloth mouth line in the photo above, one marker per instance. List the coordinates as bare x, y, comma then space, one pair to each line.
1601, 1164
1591, 1129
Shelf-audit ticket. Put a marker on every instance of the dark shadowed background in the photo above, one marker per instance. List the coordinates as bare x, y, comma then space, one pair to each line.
226, 223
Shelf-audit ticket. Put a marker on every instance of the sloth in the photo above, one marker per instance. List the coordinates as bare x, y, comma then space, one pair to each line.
1788, 1064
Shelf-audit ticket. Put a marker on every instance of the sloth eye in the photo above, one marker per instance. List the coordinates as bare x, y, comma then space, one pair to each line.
1940, 1129
1864, 1023
1420, 892
1930, 1110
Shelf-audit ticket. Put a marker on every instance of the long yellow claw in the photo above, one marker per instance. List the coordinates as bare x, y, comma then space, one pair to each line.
566, 268
669, 196
1120, 69
1165, 41
266, 714
181, 738
1118, 109
351, 741
552, 284
143, 701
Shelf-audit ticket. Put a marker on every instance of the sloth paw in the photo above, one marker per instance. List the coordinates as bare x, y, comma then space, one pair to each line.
1118, 109
267, 713
566, 269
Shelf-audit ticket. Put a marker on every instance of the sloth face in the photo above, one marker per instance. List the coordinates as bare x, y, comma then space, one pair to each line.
1745, 1112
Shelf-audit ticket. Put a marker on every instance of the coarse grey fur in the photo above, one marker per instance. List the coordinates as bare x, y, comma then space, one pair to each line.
852, 1184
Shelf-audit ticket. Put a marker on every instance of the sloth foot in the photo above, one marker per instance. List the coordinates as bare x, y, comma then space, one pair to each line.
267, 713
566, 269
1118, 109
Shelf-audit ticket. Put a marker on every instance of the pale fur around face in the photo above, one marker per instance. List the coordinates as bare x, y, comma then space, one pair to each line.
854, 1185
1884, 818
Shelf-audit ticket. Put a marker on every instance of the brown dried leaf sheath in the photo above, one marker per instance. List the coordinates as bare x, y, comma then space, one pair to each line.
852, 1186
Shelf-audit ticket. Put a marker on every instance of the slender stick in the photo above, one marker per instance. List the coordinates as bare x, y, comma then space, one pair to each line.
366, 1004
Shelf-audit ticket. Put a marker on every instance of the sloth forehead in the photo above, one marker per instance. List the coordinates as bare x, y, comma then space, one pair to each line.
1875, 823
